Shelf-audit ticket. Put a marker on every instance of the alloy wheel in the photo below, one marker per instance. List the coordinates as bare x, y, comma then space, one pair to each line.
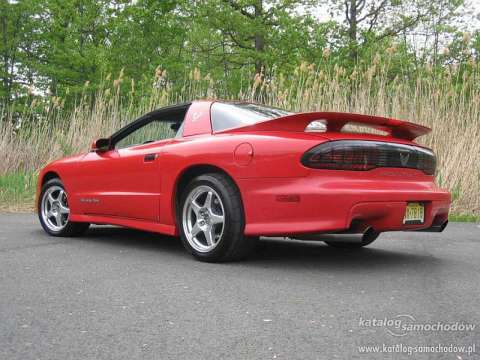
54, 208
203, 218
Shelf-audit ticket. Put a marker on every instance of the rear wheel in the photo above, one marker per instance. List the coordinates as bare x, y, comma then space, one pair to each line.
368, 237
211, 221
54, 211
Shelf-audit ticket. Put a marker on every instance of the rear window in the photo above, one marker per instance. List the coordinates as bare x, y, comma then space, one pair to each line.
231, 115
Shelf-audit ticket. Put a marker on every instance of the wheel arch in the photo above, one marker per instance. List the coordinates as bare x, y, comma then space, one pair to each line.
189, 173
49, 175
42, 179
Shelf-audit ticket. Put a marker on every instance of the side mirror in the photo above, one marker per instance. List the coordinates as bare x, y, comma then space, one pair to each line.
100, 145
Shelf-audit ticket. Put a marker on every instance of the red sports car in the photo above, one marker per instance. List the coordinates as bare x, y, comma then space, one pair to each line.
221, 174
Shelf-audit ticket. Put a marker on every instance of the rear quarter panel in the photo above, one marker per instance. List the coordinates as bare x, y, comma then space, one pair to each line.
274, 156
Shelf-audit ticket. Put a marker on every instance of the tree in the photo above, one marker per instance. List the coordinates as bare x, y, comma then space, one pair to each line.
442, 14
370, 21
72, 43
16, 38
146, 34
248, 31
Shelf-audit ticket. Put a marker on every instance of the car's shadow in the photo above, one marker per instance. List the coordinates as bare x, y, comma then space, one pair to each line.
293, 253
271, 252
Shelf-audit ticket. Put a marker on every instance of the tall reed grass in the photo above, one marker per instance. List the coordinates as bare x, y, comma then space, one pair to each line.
448, 101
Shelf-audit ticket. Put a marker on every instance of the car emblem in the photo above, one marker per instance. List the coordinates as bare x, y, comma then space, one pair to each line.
196, 116
404, 157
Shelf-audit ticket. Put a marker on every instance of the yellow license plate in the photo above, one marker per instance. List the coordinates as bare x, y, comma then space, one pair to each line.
414, 213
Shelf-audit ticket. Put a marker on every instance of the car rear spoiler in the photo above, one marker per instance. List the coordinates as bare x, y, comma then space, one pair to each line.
335, 121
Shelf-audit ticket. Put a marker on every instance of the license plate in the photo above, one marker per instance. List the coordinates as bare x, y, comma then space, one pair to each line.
414, 213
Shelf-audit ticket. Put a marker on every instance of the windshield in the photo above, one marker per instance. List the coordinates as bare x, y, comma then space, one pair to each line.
231, 115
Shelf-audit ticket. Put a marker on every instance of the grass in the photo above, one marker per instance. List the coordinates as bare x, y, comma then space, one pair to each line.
17, 192
463, 218
447, 100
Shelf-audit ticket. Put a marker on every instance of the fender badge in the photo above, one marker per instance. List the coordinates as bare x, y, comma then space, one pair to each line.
288, 198
89, 200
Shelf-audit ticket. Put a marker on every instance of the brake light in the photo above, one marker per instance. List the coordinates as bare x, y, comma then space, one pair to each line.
361, 155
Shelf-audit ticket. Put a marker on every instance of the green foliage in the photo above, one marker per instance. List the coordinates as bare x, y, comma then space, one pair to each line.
463, 218
69, 48
17, 191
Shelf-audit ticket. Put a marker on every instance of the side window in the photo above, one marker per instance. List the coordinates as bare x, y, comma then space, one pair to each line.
153, 131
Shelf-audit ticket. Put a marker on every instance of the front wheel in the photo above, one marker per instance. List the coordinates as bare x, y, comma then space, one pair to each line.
54, 211
211, 220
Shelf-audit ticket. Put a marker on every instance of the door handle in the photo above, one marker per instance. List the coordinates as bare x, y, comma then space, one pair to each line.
149, 157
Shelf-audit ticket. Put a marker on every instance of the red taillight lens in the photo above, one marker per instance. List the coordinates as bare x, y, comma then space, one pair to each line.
367, 155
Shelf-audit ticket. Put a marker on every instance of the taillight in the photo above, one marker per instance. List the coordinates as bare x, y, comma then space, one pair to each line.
366, 155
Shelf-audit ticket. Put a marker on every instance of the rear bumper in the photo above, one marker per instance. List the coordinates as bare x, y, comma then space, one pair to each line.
388, 216
332, 201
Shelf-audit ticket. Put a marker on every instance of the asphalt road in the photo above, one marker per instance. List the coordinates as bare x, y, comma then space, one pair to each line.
122, 294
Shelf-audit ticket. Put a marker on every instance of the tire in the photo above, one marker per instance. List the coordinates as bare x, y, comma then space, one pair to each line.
53, 211
368, 237
211, 220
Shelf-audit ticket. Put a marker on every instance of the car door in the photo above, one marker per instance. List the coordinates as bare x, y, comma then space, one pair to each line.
125, 180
